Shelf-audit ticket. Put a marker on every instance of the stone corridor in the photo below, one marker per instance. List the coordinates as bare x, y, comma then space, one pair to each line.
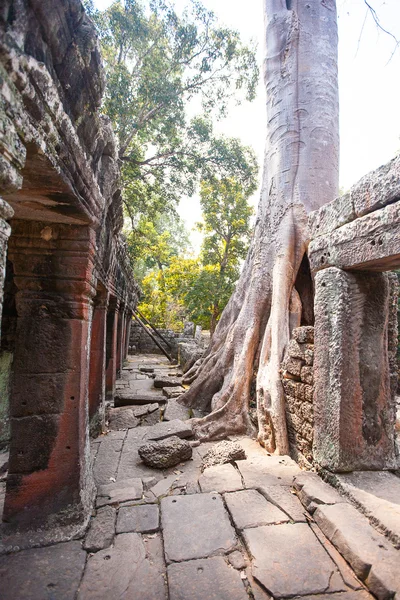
254, 528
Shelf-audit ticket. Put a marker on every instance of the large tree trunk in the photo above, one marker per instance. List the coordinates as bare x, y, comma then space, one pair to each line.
300, 175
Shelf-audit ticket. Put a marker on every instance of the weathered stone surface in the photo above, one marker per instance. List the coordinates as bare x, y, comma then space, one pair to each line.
210, 579
143, 518
293, 365
353, 406
249, 508
122, 571
167, 429
122, 418
120, 491
374, 560
331, 216
289, 560
163, 486
127, 398
223, 452
195, 527
140, 411
349, 595
377, 189
101, 531
165, 453
303, 335
285, 500
312, 491
52, 572
220, 478
163, 381
370, 242
307, 375
265, 471
173, 392
237, 560
377, 494
107, 459
174, 410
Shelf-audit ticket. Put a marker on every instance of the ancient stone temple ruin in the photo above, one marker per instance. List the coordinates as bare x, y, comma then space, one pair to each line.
125, 503
68, 287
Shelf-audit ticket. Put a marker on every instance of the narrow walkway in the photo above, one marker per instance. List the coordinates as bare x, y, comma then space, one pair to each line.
254, 528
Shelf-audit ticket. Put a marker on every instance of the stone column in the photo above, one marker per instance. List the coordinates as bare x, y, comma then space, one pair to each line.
120, 336
128, 333
49, 467
6, 212
97, 377
111, 347
353, 405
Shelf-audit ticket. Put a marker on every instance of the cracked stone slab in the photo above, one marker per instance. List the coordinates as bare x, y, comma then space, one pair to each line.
210, 579
348, 595
268, 470
174, 410
220, 478
42, 573
167, 429
173, 392
312, 491
142, 518
196, 526
122, 418
289, 560
101, 531
107, 459
123, 571
137, 398
249, 508
120, 491
286, 500
162, 381
374, 560
140, 411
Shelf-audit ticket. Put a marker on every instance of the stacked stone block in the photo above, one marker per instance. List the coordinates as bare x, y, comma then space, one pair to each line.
298, 385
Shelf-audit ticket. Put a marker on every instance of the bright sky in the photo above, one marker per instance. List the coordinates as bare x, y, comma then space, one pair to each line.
369, 85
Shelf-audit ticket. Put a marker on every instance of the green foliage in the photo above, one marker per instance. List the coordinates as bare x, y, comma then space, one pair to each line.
157, 62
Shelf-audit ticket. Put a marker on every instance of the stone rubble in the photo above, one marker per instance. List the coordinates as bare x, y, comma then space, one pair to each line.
165, 453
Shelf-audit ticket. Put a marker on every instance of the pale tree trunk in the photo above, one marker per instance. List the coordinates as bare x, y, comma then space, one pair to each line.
300, 175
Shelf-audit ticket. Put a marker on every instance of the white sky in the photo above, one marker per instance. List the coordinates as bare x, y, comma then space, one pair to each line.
369, 85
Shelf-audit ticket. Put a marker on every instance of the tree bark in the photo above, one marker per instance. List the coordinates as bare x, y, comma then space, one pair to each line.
300, 175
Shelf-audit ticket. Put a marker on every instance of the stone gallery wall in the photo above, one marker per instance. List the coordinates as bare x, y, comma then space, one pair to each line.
298, 385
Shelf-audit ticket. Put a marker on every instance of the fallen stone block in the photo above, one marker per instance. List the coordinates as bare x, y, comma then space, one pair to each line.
173, 392
312, 491
120, 491
174, 410
165, 453
221, 453
220, 478
374, 560
101, 531
145, 409
120, 419
129, 398
162, 381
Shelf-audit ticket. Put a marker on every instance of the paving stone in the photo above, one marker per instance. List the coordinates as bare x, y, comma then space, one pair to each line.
167, 429
122, 418
374, 560
162, 381
268, 470
173, 392
312, 491
210, 579
137, 398
107, 459
195, 527
258, 592
221, 478
377, 494
123, 571
173, 411
249, 508
120, 491
163, 486
348, 595
143, 518
101, 531
289, 560
286, 500
146, 369
140, 411
47, 573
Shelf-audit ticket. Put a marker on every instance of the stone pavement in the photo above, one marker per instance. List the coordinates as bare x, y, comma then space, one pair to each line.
256, 528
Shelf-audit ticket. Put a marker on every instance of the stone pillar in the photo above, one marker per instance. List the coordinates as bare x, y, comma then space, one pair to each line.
49, 467
111, 347
97, 377
128, 333
353, 404
120, 338
6, 212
